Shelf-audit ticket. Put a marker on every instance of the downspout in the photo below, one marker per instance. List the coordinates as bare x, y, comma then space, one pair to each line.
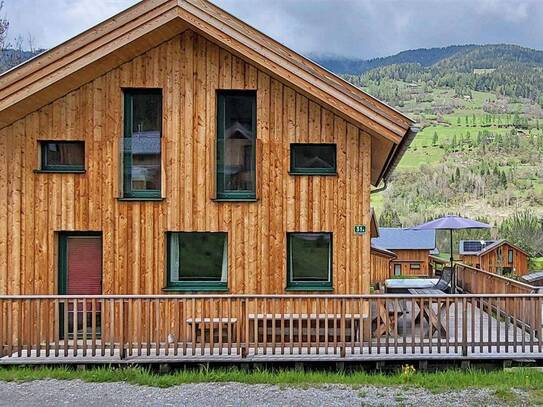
381, 188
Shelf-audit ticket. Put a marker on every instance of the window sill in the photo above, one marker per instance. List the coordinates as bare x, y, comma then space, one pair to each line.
235, 199
310, 288
195, 289
134, 199
313, 174
59, 171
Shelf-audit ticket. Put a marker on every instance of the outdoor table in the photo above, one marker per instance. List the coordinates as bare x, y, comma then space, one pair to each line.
434, 317
404, 285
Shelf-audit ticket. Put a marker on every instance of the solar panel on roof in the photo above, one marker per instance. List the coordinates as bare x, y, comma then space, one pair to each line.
472, 246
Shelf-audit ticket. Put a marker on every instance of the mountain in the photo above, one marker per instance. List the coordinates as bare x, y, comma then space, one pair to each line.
422, 56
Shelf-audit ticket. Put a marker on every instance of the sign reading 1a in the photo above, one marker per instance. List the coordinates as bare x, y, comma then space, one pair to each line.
359, 230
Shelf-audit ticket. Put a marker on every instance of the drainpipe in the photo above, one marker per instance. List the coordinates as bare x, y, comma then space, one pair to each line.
381, 188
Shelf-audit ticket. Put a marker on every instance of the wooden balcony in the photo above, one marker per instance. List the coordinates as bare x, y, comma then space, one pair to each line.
196, 328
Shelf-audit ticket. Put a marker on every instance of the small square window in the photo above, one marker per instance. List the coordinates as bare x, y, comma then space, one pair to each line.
309, 261
197, 261
313, 159
62, 156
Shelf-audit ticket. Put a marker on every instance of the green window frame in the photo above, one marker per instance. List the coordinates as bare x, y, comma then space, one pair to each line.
297, 169
397, 269
175, 263
308, 284
128, 191
223, 192
45, 166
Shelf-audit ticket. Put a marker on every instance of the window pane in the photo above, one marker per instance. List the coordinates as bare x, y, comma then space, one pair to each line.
145, 154
142, 145
198, 257
237, 144
310, 256
314, 156
64, 154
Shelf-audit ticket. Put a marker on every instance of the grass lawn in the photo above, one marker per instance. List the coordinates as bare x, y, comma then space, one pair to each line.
500, 381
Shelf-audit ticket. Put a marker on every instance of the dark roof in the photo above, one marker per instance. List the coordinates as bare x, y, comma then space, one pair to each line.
534, 276
405, 239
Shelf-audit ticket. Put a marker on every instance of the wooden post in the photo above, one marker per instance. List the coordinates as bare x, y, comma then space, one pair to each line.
464, 328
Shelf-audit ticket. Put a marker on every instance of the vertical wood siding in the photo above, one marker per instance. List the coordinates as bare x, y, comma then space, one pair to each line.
489, 260
189, 69
407, 257
380, 267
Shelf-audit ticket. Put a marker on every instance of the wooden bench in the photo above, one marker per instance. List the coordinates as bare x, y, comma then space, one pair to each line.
221, 327
303, 327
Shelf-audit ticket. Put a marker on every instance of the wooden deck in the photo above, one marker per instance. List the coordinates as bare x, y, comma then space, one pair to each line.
465, 327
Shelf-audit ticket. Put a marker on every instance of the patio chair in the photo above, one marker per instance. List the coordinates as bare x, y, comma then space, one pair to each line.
444, 283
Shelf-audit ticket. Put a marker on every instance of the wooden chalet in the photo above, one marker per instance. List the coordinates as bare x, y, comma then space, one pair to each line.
495, 256
412, 249
177, 186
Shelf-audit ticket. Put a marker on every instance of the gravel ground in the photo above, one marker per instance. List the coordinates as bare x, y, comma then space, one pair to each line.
77, 393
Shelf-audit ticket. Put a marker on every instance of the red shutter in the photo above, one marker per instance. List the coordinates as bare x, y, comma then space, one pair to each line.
84, 265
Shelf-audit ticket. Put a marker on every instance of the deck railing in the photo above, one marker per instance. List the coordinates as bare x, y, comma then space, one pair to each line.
476, 281
64, 329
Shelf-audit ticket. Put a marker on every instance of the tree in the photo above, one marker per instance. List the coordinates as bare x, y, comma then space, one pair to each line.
390, 218
525, 230
434, 139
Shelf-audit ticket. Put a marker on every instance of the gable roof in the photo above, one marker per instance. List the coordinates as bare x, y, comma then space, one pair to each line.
130, 33
499, 243
405, 239
383, 252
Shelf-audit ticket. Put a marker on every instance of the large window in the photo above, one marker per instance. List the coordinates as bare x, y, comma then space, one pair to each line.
309, 261
236, 145
141, 152
313, 159
62, 156
197, 261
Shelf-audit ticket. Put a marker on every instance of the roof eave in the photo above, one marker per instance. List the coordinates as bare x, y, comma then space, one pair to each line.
397, 153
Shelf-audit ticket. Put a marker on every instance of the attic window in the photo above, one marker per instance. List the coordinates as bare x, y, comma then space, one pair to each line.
236, 145
62, 156
142, 143
313, 159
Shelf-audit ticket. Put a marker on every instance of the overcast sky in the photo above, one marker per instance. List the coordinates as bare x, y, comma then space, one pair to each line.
354, 28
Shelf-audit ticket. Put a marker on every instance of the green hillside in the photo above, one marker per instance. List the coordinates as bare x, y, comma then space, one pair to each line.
480, 149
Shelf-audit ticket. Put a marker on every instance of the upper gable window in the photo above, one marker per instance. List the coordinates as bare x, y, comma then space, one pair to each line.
62, 156
313, 159
236, 145
142, 146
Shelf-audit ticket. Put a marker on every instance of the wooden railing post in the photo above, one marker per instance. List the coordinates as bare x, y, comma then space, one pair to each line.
244, 320
465, 327
122, 339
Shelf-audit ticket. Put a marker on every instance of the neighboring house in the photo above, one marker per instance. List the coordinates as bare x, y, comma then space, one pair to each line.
380, 264
173, 148
411, 247
380, 258
495, 256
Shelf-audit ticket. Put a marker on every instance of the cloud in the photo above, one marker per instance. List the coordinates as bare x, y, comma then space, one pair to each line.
356, 28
